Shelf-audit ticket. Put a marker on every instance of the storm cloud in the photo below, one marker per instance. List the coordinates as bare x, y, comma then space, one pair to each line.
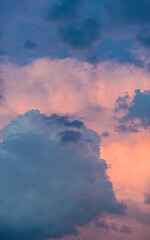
48, 188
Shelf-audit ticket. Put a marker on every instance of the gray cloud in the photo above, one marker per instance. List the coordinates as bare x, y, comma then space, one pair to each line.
147, 198
70, 136
48, 188
64, 10
144, 39
81, 35
30, 45
112, 226
137, 111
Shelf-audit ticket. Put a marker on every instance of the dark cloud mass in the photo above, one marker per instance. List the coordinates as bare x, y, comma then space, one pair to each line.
81, 35
70, 136
48, 188
78, 33
63, 121
82, 29
137, 111
64, 10
105, 134
129, 11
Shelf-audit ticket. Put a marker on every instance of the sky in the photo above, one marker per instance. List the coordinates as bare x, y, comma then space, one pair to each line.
74, 120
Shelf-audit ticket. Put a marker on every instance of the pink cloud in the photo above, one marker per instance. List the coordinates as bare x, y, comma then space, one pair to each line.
76, 88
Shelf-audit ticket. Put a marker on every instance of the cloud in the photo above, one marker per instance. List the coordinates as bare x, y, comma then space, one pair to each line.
131, 61
77, 88
105, 134
64, 10
130, 14
30, 45
138, 114
112, 226
63, 121
105, 225
48, 188
81, 35
125, 229
70, 136
50, 24
147, 198
129, 11
76, 31
144, 39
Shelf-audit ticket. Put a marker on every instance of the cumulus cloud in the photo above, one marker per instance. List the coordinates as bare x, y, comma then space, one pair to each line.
137, 111
51, 178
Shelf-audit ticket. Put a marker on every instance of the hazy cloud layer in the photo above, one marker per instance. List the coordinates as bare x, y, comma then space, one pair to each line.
51, 178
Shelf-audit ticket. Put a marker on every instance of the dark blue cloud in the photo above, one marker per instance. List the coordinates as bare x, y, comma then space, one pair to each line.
30, 45
134, 15
129, 11
64, 121
81, 35
70, 136
144, 39
64, 10
49, 24
48, 188
138, 111
79, 29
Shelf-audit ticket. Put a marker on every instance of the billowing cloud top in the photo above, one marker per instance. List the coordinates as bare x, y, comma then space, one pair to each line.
51, 178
